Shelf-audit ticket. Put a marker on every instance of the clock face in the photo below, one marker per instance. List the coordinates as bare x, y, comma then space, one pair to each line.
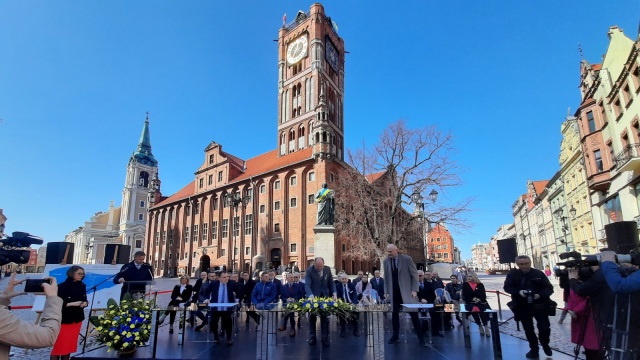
331, 54
297, 50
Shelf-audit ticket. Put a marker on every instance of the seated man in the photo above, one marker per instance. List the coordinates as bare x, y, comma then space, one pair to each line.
427, 294
264, 293
290, 292
346, 292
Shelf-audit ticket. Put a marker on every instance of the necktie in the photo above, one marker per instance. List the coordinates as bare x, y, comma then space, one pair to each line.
395, 264
290, 290
224, 296
346, 294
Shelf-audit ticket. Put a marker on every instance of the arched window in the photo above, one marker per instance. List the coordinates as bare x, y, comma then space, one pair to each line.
317, 137
143, 179
324, 136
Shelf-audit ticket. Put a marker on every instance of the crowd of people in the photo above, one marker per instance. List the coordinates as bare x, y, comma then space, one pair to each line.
593, 296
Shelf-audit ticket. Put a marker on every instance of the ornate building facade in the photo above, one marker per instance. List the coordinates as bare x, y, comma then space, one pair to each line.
260, 212
609, 125
124, 224
440, 244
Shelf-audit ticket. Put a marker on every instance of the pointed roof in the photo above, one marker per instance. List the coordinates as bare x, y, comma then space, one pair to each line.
143, 153
375, 176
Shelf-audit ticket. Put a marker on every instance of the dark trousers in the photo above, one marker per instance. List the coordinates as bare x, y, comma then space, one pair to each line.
544, 328
291, 318
436, 322
395, 321
355, 321
172, 313
226, 322
324, 327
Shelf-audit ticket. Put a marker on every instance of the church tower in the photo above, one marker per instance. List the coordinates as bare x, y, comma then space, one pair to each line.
311, 85
141, 181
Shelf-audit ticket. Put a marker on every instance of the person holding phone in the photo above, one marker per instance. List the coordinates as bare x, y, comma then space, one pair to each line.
24, 334
73, 293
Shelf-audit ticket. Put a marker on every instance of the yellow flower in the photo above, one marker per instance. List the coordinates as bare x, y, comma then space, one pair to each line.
125, 344
129, 319
308, 306
117, 337
132, 326
335, 304
315, 305
99, 328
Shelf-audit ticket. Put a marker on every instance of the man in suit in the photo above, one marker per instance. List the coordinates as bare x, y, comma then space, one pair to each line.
203, 295
248, 284
377, 283
134, 276
276, 282
347, 292
427, 294
194, 298
290, 292
319, 282
221, 292
402, 288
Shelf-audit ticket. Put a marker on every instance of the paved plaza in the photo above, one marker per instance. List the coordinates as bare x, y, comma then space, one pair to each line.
560, 339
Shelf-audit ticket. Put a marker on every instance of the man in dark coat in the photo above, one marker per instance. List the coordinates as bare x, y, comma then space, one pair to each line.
347, 292
530, 287
427, 294
377, 283
290, 292
319, 283
134, 276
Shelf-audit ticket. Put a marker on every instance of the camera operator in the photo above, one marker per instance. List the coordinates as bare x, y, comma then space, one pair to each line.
590, 282
530, 287
613, 275
16, 332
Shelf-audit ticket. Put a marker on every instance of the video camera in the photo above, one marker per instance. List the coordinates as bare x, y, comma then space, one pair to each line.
584, 262
14, 248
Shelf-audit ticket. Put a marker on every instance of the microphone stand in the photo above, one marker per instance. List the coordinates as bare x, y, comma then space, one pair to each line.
93, 297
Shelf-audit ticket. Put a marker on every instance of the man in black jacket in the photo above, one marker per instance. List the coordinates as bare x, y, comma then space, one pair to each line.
134, 276
247, 285
530, 290
427, 294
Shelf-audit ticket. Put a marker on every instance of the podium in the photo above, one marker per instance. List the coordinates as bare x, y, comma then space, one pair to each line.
137, 289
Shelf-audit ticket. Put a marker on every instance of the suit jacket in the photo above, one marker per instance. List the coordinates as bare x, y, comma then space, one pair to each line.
247, 289
184, 295
24, 334
196, 290
427, 291
278, 285
72, 291
407, 279
377, 285
205, 291
129, 272
214, 289
295, 291
351, 289
319, 285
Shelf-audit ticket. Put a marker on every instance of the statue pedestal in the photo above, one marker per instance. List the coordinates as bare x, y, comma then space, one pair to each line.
324, 245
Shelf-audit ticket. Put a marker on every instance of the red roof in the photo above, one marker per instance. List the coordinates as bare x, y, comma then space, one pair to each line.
539, 186
596, 66
258, 165
375, 176
185, 192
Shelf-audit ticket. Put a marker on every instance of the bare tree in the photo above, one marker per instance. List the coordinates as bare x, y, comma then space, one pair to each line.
374, 206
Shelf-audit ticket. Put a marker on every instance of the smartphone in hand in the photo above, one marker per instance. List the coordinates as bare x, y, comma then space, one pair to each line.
35, 285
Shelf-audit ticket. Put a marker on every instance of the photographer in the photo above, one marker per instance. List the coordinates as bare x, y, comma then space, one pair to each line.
589, 316
530, 290
16, 332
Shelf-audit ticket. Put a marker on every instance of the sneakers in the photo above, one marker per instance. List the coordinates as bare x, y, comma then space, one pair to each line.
547, 350
532, 355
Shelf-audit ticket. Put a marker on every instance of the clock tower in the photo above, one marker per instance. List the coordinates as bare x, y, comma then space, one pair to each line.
311, 85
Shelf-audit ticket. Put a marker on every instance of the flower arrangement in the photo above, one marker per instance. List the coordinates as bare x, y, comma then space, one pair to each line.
322, 306
125, 326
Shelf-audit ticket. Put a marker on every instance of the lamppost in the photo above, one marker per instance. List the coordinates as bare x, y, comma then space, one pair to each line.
416, 198
235, 199
559, 214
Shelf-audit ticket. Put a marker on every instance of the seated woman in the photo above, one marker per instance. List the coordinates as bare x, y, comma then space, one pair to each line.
474, 295
363, 287
180, 295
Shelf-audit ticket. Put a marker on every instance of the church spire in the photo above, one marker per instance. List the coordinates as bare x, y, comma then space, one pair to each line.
143, 153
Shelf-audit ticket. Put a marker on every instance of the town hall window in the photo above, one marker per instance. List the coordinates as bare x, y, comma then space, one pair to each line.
219, 176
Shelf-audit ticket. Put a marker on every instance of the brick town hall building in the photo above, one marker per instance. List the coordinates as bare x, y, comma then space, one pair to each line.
272, 213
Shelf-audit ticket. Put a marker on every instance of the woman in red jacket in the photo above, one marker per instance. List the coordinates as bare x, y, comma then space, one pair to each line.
73, 293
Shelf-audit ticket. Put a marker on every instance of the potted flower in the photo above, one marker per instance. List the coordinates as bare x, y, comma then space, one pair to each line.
321, 306
126, 326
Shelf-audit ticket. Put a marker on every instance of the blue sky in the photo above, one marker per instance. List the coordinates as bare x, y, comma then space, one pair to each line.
76, 78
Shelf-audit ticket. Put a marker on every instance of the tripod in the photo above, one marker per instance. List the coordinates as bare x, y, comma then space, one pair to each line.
620, 347
93, 297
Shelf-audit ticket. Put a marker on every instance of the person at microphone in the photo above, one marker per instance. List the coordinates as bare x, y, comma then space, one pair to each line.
133, 275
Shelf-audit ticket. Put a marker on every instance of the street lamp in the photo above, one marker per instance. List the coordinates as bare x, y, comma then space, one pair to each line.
417, 199
235, 199
559, 214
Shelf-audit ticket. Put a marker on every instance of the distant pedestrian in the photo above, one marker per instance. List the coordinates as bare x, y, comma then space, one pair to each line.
547, 271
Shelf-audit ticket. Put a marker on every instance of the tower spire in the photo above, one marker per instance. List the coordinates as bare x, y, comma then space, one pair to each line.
143, 153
